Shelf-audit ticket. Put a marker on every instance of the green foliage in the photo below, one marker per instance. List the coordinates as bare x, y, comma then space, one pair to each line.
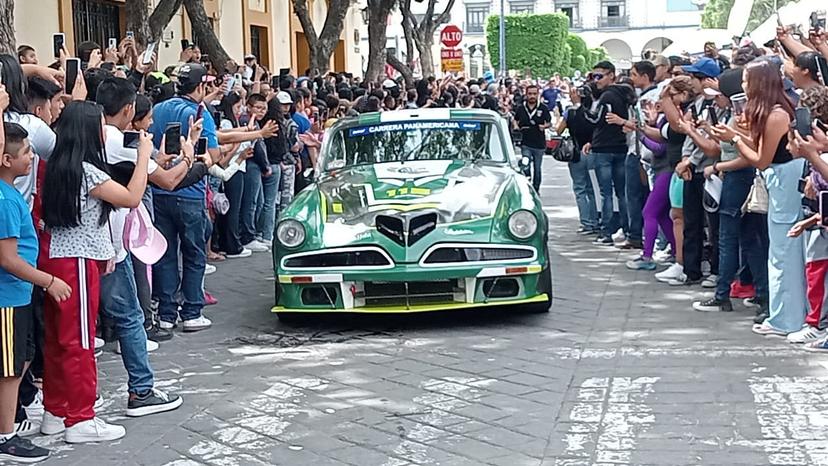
579, 53
717, 12
596, 55
537, 42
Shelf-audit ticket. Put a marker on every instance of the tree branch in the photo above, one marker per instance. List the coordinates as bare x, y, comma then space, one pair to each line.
161, 16
300, 8
404, 69
209, 43
444, 16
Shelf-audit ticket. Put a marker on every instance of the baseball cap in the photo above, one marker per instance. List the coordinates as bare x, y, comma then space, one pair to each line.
660, 60
141, 238
389, 83
704, 66
193, 74
730, 82
284, 98
250, 56
474, 89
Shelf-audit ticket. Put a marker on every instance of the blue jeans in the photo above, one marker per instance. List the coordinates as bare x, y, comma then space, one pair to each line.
119, 302
228, 224
636, 194
249, 203
267, 220
609, 169
536, 156
182, 221
584, 192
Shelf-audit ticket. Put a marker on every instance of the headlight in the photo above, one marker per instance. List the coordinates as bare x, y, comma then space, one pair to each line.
290, 233
522, 224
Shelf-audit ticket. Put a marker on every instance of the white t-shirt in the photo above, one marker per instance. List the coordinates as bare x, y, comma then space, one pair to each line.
225, 124
42, 139
117, 153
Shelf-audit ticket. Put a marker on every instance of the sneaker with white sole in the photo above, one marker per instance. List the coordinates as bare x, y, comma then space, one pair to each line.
94, 430
241, 254
198, 324
209, 269
713, 305
641, 263
256, 246
51, 424
817, 346
99, 401
672, 272
151, 346
806, 335
682, 280
619, 236
710, 281
26, 428
750, 303
166, 325
99, 343
767, 329
153, 402
21, 450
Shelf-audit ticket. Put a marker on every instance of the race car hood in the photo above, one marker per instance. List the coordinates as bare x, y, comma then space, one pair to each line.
460, 196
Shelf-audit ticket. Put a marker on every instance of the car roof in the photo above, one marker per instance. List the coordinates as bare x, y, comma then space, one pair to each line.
422, 114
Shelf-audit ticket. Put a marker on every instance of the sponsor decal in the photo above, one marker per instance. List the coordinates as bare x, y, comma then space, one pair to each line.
416, 125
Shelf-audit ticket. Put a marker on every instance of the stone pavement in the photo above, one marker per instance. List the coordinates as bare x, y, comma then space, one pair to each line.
621, 371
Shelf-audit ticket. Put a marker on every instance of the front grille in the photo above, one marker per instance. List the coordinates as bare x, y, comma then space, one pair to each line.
392, 227
407, 293
450, 254
339, 259
396, 227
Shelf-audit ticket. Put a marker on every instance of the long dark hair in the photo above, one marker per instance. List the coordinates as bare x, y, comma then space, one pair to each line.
226, 107
79, 139
764, 92
15, 83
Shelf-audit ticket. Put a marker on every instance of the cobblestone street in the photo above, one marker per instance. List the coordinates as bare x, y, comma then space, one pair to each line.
620, 371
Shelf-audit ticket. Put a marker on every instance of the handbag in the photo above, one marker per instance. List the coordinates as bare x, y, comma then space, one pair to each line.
562, 149
757, 198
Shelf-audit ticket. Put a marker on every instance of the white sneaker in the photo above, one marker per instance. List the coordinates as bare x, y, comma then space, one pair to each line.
151, 346
99, 401
35, 409
671, 273
256, 246
244, 253
94, 430
51, 424
663, 256
710, 281
166, 325
209, 269
99, 343
197, 324
26, 428
619, 236
806, 335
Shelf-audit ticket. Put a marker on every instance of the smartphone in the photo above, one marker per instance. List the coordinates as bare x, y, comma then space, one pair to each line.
201, 146
72, 70
130, 35
238, 77
817, 20
217, 118
823, 208
147, 57
131, 139
199, 112
58, 39
694, 112
185, 44
1, 73
822, 68
231, 82
802, 121
172, 139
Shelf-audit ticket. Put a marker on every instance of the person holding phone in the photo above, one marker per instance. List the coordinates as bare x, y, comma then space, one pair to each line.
78, 196
768, 116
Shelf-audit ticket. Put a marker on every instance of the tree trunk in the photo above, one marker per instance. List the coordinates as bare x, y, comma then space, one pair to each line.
8, 43
322, 46
404, 70
422, 33
378, 11
137, 20
426, 59
209, 43
161, 16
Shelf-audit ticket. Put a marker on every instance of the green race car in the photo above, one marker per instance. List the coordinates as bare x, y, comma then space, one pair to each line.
415, 210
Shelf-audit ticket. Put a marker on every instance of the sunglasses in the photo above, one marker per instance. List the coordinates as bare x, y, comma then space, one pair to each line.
596, 76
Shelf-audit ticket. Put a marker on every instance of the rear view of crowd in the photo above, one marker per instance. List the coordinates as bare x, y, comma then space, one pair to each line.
717, 168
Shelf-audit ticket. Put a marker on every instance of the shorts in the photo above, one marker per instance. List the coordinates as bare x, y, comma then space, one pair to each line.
676, 192
17, 345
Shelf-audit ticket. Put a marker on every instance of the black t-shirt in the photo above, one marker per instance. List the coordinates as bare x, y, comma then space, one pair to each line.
529, 121
579, 128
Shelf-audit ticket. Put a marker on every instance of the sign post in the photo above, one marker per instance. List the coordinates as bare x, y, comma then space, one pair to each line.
451, 58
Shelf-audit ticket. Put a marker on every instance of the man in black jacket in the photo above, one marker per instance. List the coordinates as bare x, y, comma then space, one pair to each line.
532, 118
609, 146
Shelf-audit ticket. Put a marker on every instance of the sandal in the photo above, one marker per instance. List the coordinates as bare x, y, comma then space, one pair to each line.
215, 257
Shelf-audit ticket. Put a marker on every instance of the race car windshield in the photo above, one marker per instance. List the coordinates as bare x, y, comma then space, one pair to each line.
421, 140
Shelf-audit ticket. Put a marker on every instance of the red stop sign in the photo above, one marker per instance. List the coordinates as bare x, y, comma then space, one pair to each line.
451, 36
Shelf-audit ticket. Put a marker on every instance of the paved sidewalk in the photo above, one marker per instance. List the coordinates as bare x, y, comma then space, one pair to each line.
621, 371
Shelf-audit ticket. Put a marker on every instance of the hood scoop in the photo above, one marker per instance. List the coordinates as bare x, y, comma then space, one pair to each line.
407, 230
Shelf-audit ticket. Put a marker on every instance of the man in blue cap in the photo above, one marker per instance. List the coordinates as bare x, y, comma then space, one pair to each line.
698, 152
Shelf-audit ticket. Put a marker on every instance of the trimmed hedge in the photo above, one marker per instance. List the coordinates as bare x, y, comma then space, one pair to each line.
537, 42
580, 52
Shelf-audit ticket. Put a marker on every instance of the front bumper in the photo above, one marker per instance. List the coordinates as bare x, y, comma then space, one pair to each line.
409, 288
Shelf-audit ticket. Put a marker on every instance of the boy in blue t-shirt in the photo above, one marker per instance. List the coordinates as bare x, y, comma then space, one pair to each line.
18, 275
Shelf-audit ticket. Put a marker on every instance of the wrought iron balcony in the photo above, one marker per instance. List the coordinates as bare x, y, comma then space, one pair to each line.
614, 21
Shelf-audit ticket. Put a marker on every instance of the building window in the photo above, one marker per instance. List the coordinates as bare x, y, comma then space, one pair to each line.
259, 45
613, 14
95, 20
476, 18
522, 6
570, 9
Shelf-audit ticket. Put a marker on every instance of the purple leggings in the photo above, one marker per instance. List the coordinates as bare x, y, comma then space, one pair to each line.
657, 214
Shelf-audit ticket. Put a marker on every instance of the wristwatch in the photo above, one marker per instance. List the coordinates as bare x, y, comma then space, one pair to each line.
735, 140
